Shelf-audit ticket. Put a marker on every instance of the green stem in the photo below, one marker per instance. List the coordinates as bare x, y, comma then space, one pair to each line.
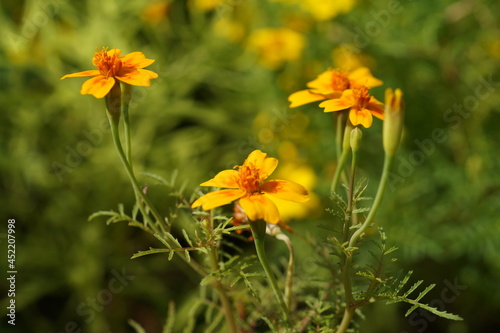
126, 95
346, 320
116, 140
339, 132
350, 306
259, 232
338, 171
226, 303
376, 203
289, 270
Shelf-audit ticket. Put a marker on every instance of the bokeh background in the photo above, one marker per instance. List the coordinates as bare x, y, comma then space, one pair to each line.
226, 68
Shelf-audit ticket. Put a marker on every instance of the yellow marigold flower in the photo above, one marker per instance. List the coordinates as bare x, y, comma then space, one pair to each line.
207, 5
331, 84
248, 185
362, 106
110, 66
323, 10
276, 46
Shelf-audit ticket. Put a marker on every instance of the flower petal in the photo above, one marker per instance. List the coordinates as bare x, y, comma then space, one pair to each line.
363, 76
303, 97
98, 86
265, 165
285, 189
336, 105
136, 60
136, 77
93, 72
259, 207
322, 84
226, 178
217, 198
361, 117
376, 109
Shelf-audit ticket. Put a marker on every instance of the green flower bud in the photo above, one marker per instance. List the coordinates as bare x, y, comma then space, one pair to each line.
356, 136
393, 120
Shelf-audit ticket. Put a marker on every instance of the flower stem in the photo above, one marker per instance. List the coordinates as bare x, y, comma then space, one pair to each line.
346, 279
289, 270
259, 232
378, 200
114, 121
346, 320
116, 140
126, 95
226, 303
338, 171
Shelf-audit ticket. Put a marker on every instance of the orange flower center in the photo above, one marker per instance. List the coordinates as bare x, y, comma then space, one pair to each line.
249, 179
361, 97
108, 64
339, 81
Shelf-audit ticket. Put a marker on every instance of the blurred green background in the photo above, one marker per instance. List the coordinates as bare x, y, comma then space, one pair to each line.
225, 71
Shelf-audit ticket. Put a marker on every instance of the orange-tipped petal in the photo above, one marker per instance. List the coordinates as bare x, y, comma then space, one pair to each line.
98, 86
259, 207
136, 77
93, 72
226, 178
361, 117
217, 198
363, 76
376, 109
336, 105
286, 190
136, 60
303, 97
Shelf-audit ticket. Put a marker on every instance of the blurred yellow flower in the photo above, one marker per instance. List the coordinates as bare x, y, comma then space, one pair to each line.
347, 57
206, 5
292, 166
110, 66
362, 106
230, 29
276, 46
156, 11
322, 10
331, 84
247, 184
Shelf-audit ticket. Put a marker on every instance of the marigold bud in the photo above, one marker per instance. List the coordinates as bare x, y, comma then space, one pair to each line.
393, 120
356, 136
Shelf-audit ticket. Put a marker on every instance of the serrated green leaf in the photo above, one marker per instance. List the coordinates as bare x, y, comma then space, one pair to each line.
435, 311
424, 292
415, 286
150, 251
186, 237
360, 210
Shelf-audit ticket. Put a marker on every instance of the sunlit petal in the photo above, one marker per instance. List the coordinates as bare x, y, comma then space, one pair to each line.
136, 77
303, 97
286, 190
98, 86
217, 198
226, 178
361, 117
259, 207
136, 60
93, 72
363, 76
336, 104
